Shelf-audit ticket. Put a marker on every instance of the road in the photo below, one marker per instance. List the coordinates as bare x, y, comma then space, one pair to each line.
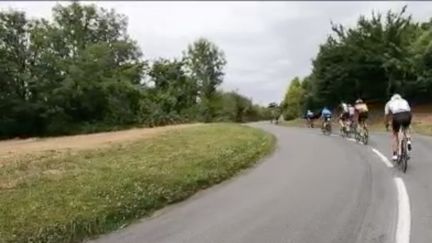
312, 189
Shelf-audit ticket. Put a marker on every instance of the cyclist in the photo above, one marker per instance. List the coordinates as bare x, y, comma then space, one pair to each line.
351, 112
344, 115
361, 111
350, 119
326, 115
401, 116
309, 118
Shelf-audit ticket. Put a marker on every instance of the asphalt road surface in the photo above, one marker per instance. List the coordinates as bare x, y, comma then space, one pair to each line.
312, 189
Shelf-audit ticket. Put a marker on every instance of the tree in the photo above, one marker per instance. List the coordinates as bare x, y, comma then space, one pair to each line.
421, 62
174, 92
18, 108
205, 63
370, 60
80, 68
293, 101
81, 72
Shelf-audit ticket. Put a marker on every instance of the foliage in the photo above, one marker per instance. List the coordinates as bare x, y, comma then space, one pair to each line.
66, 197
238, 108
82, 72
205, 64
293, 101
381, 55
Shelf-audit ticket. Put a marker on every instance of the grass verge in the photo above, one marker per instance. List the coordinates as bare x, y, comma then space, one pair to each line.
69, 196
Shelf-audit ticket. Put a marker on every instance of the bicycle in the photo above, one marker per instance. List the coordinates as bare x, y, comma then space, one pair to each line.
344, 131
349, 129
402, 153
362, 133
326, 127
309, 123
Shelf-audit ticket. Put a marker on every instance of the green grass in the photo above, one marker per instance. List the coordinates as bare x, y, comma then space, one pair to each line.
69, 196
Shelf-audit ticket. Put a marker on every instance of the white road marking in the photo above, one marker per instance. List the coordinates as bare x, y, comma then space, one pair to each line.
351, 139
403, 227
383, 158
404, 215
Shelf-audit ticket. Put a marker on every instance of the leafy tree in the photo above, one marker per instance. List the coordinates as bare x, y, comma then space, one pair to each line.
81, 72
292, 104
421, 62
18, 109
205, 63
232, 106
370, 60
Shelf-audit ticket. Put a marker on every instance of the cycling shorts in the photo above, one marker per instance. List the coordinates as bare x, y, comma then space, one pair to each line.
362, 116
344, 116
402, 119
327, 117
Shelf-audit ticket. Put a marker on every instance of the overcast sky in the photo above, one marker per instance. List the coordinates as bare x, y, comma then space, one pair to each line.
266, 43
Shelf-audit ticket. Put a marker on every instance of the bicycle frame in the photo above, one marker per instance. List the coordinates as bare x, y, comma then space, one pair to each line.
326, 123
401, 137
403, 156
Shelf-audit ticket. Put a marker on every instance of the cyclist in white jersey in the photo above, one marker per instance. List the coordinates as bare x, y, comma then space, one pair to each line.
401, 116
344, 115
351, 111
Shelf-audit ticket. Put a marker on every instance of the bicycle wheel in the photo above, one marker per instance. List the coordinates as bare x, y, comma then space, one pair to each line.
357, 135
404, 156
327, 129
365, 136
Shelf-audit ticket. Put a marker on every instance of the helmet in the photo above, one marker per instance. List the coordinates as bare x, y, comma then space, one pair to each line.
359, 101
396, 97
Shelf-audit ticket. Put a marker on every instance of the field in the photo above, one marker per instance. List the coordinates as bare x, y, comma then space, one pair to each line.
71, 188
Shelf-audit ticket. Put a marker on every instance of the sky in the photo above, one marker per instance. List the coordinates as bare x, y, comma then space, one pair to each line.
266, 44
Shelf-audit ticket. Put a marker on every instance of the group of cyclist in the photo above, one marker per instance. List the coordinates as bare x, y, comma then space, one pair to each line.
397, 111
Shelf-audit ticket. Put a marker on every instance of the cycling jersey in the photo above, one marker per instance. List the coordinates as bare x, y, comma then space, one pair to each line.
344, 108
351, 111
309, 114
361, 107
326, 113
397, 106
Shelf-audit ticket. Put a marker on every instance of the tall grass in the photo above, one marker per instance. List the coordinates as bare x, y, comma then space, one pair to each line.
69, 196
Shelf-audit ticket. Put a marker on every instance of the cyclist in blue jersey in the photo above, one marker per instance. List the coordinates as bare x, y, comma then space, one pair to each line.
326, 115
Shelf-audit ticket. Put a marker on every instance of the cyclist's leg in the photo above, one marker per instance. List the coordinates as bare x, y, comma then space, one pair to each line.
407, 130
395, 143
361, 124
365, 117
342, 120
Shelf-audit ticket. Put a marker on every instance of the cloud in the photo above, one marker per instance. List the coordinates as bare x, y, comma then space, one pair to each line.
266, 43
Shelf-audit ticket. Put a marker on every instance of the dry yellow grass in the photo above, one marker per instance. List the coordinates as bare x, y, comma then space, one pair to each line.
10, 148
